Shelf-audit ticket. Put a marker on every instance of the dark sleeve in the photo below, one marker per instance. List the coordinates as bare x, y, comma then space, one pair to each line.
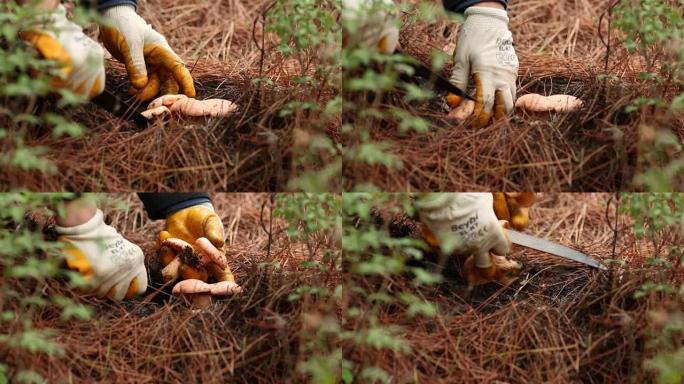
102, 5
459, 6
160, 205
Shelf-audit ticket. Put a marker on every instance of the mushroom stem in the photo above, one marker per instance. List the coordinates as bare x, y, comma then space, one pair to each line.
201, 300
211, 253
170, 272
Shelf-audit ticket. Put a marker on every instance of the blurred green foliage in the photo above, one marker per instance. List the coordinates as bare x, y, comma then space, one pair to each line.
373, 261
659, 218
314, 219
370, 78
309, 34
27, 263
654, 30
24, 81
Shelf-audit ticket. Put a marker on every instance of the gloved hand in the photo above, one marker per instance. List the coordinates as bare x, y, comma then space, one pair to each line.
194, 222
81, 59
485, 50
375, 22
514, 207
151, 64
189, 224
112, 266
465, 224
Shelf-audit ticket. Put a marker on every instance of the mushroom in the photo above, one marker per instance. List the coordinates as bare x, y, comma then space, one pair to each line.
531, 102
534, 102
199, 261
211, 107
211, 253
201, 293
166, 101
170, 272
157, 112
463, 111
197, 291
183, 105
502, 270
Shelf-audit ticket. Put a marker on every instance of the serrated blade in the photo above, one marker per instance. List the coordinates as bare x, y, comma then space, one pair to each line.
553, 248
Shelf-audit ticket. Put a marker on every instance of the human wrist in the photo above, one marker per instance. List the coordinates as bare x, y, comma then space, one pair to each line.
79, 222
120, 10
76, 212
489, 4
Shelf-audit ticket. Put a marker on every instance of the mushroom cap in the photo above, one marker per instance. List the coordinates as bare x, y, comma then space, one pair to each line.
534, 102
165, 100
152, 113
463, 111
210, 253
225, 288
194, 286
211, 107
220, 107
191, 286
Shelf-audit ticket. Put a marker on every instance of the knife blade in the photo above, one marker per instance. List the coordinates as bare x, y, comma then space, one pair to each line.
440, 82
119, 108
552, 248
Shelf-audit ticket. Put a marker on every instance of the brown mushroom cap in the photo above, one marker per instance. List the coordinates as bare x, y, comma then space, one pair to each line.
166, 101
463, 111
157, 112
191, 286
183, 105
211, 253
225, 288
534, 102
194, 286
211, 107
219, 107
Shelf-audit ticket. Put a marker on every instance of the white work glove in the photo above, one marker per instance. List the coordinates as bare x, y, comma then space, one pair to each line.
151, 64
465, 224
375, 23
81, 59
485, 50
111, 265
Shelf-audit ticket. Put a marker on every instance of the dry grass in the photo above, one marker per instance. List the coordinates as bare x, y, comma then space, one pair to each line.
250, 151
254, 337
561, 50
559, 323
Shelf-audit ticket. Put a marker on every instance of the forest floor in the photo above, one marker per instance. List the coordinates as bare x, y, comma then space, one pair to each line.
254, 337
249, 151
562, 49
559, 322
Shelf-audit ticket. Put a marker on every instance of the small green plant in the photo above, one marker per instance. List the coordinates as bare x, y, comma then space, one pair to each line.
314, 219
659, 218
309, 35
24, 80
371, 78
654, 30
27, 263
373, 262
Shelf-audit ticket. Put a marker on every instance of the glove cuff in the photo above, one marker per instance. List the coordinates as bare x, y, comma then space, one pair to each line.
82, 229
120, 11
487, 14
452, 206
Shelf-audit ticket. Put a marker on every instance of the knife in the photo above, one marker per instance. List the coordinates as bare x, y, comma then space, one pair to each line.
440, 82
119, 108
553, 248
